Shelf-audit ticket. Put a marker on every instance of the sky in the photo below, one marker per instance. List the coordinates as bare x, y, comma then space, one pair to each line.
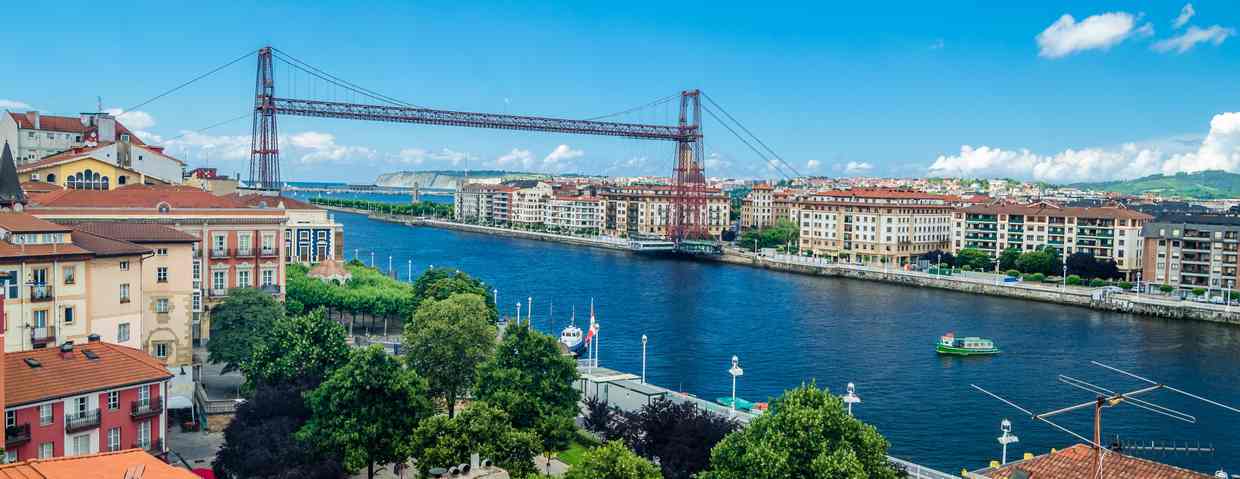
1053, 91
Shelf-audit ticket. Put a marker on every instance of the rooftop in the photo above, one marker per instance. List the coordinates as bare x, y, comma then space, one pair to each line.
261, 201
135, 232
106, 465
69, 124
136, 196
23, 223
1080, 462
1051, 209
59, 376
102, 246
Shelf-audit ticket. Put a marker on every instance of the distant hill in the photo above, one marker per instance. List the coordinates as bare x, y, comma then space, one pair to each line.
1202, 185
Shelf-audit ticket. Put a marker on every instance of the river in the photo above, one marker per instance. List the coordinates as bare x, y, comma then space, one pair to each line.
788, 329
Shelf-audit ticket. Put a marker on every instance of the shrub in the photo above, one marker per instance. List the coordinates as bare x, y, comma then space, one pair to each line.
966, 268
1199, 291
1074, 280
1125, 285
1028, 277
1013, 273
1095, 283
1166, 288
1235, 295
1039, 277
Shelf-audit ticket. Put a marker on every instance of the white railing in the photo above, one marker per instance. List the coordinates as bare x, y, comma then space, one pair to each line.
917, 471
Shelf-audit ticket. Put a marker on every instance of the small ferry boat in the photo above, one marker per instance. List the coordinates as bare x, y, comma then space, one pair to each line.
970, 346
573, 337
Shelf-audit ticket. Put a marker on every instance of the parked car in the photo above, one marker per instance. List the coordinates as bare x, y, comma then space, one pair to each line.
1112, 289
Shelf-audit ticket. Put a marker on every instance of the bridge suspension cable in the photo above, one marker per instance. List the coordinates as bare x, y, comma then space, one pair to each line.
751, 135
756, 151
335, 80
191, 81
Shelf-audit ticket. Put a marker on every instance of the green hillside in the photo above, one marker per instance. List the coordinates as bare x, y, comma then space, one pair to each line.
1202, 185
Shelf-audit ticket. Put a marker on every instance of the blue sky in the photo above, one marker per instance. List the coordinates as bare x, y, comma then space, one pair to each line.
900, 89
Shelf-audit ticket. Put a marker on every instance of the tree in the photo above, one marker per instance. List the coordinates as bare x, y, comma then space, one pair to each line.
297, 350
367, 410
680, 435
440, 283
974, 259
1007, 259
598, 417
528, 378
1045, 261
613, 461
260, 442
441, 441
938, 257
806, 432
1088, 266
238, 323
447, 341
784, 232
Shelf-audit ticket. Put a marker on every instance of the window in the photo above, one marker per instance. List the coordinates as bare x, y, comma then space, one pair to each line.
161, 350
161, 251
114, 439
122, 332
12, 282
45, 414
70, 274
243, 278
218, 280
124, 266
81, 444
114, 400
161, 305
68, 315
45, 450
269, 243
161, 274
10, 418
80, 404
269, 277
124, 292
197, 272
144, 395
243, 241
196, 305
144, 434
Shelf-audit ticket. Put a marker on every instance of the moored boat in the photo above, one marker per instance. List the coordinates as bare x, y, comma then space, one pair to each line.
741, 404
571, 338
969, 346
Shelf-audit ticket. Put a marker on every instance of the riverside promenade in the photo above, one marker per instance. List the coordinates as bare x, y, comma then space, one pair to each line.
1160, 306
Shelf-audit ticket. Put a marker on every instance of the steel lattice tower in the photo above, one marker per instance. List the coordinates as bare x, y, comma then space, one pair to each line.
688, 215
264, 143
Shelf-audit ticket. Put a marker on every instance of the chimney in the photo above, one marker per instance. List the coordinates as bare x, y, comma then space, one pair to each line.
93, 338
107, 128
66, 350
33, 117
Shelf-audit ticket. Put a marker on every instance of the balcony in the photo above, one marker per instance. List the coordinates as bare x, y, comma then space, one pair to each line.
268, 252
143, 409
40, 293
82, 421
218, 292
155, 447
41, 336
16, 435
219, 252
245, 252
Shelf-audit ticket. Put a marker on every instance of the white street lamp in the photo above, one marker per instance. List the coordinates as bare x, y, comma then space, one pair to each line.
851, 397
495, 295
518, 312
410, 271
529, 309
643, 359
735, 371
1006, 438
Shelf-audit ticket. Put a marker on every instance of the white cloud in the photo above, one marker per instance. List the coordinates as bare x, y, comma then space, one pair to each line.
854, 167
1219, 150
561, 159
813, 165
1146, 30
417, 156
134, 120
1191, 37
937, 44
13, 105
1066, 36
517, 158
319, 147
1185, 14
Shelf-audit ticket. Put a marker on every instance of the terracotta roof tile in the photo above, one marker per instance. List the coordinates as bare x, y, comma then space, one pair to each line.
58, 377
261, 201
106, 465
137, 196
12, 252
1080, 462
31, 187
135, 232
70, 124
103, 246
25, 223
1050, 209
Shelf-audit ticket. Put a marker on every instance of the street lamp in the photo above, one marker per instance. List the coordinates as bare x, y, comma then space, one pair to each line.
372, 259
1006, 438
495, 297
643, 359
851, 397
529, 310
410, 272
518, 312
735, 371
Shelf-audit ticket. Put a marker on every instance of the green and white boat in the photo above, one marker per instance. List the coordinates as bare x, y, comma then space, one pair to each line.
970, 346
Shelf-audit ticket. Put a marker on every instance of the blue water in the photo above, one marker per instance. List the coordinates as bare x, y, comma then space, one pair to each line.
788, 329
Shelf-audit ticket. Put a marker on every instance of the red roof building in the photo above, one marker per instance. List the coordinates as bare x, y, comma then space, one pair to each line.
1081, 462
107, 465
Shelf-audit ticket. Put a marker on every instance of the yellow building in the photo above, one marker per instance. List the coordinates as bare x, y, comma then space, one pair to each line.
83, 173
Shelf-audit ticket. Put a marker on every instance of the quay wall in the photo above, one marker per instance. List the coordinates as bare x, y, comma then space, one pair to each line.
1073, 296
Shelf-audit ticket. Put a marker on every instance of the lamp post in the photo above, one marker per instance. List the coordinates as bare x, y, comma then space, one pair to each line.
1006, 438
372, 259
409, 274
495, 296
389, 264
529, 310
735, 371
851, 398
643, 359
1065, 275
518, 312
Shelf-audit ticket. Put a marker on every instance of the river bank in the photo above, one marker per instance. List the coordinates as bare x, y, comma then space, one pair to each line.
1071, 295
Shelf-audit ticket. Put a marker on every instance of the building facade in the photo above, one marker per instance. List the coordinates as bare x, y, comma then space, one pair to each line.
529, 205
758, 207
579, 214
873, 226
105, 167
83, 398
1108, 233
311, 234
34, 136
1189, 252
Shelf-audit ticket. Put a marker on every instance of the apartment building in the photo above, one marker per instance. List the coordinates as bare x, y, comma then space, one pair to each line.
873, 226
529, 203
34, 136
483, 203
1198, 251
105, 167
1109, 232
758, 207
311, 234
643, 211
574, 213
83, 398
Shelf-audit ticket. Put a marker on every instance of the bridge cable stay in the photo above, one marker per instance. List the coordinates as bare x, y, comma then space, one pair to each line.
335, 80
642, 107
170, 91
746, 130
756, 151
200, 130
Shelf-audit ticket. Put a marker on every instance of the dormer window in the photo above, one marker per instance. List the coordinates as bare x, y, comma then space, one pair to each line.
163, 207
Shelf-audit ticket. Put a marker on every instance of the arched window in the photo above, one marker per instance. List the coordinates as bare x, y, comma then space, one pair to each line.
94, 182
72, 182
120, 180
51, 177
104, 184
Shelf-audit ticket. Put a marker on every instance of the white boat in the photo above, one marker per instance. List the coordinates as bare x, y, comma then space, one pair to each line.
573, 337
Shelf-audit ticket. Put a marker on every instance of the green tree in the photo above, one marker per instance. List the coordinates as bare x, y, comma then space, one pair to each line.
367, 410
297, 350
238, 323
440, 283
974, 259
441, 441
806, 429
784, 232
1007, 259
1045, 261
447, 341
528, 378
613, 461
260, 442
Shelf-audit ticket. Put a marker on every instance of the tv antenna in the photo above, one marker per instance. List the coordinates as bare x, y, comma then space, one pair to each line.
1106, 398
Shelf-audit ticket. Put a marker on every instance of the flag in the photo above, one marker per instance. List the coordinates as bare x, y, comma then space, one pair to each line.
592, 331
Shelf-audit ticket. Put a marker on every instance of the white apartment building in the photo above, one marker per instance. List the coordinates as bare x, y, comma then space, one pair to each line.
873, 226
529, 204
574, 213
33, 136
758, 207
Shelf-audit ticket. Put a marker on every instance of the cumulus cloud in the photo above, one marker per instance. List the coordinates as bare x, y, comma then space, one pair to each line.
134, 120
561, 159
319, 147
1192, 37
854, 167
1186, 13
1099, 32
418, 156
813, 165
517, 158
1219, 150
13, 105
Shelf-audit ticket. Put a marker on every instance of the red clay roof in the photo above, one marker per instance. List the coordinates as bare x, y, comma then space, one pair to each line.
261, 201
12, 252
102, 246
105, 465
135, 232
60, 377
1080, 462
1047, 209
136, 196
70, 124
25, 223
882, 193
32, 187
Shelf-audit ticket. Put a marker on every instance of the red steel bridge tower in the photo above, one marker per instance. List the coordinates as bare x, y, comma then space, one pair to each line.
688, 215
